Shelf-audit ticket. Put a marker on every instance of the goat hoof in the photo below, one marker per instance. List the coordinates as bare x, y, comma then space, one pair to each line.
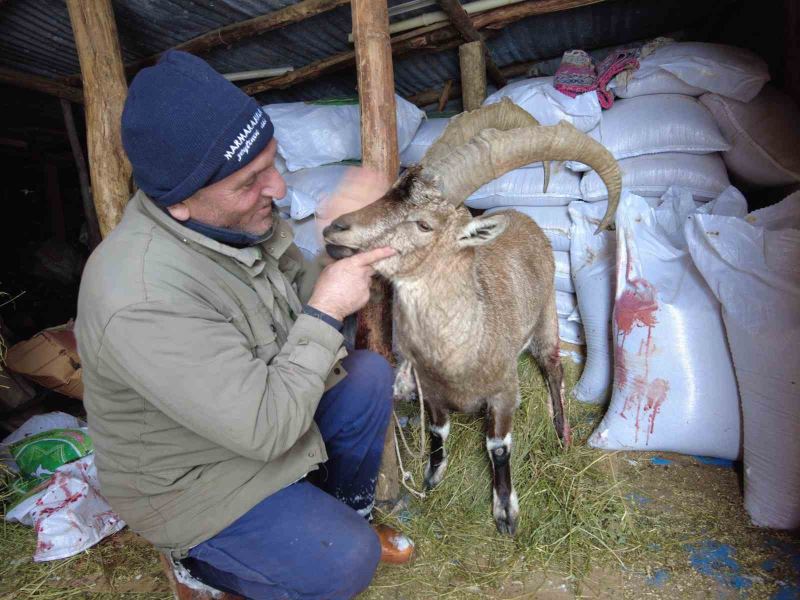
505, 512
434, 478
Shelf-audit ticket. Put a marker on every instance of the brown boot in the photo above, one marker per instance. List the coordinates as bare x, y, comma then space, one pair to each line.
396, 548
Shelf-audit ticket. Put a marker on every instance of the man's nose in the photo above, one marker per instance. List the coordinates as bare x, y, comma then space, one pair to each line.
275, 186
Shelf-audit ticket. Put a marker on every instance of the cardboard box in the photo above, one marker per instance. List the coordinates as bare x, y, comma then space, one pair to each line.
50, 358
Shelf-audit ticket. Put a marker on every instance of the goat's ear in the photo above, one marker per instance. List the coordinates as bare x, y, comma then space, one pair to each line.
482, 230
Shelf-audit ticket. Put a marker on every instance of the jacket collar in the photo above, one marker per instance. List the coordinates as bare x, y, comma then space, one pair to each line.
274, 246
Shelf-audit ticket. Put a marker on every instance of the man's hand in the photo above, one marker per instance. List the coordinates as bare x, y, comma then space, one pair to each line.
343, 287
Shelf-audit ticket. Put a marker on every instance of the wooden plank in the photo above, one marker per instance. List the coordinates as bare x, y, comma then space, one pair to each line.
40, 84
473, 74
463, 24
432, 38
105, 89
378, 152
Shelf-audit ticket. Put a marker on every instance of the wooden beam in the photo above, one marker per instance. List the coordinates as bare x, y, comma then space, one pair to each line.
378, 152
105, 89
433, 37
473, 74
236, 32
444, 98
40, 84
463, 24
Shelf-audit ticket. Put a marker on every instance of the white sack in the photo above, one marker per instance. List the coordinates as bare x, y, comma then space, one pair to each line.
308, 236
783, 215
566, 304
726, 70
674, 387
429, 131
549, 106
553, 220
570, 332
593, 259
523, 187
652, 174
755, 273
307, 188
70, 515
563, 277
657, 124
764, 135
656, 82
310, 135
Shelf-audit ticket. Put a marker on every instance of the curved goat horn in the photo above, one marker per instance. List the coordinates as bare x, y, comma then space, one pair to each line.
503, 115
491, 153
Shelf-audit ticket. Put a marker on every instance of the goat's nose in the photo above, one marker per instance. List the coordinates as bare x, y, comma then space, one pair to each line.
335, 227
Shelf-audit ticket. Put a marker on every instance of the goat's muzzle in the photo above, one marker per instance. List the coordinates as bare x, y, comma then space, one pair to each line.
335, 250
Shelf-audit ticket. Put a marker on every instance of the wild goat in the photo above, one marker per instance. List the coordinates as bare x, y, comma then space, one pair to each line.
472, 293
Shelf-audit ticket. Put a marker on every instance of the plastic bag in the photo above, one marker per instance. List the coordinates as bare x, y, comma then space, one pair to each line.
783, 215
726, 70
674, 387
553, 221
38, 456
307, 188
755, 273
653, 174
70, 515
570, 331
37, 424
657, 124
523, 187
312, 134
563, 276
549, 106
566, 304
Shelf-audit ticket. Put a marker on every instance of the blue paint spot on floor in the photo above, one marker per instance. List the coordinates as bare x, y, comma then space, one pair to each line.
786, 592
658, 578
661, 462
403, 421
714, 462
640, 500
717, 560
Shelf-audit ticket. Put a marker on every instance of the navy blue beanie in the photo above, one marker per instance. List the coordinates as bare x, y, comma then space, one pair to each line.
185, 127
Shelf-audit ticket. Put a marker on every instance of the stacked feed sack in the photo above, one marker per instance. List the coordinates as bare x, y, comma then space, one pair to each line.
314, 138
660, 133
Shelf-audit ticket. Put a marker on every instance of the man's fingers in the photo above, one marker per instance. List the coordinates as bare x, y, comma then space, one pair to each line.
373, 256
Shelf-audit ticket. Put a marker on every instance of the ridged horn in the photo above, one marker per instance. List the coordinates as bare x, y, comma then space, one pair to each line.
491, 153
503, 115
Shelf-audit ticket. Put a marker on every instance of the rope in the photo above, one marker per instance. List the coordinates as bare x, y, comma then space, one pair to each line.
406, 475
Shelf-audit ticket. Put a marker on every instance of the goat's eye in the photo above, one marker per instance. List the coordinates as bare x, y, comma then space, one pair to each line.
423, 226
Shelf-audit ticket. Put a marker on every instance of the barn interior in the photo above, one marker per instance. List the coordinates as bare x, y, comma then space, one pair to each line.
597, 524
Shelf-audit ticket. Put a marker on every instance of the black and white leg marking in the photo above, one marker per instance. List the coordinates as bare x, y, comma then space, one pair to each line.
437, 462
505, 506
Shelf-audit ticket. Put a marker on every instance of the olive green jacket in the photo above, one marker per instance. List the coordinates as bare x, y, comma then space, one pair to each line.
201, 377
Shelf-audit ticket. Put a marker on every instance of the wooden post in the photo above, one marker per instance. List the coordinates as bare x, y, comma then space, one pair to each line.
473, 74
445, 97
92, 227
104, 91
379, 151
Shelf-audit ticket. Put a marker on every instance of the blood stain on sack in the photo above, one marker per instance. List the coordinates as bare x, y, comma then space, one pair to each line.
636, 306
656, 394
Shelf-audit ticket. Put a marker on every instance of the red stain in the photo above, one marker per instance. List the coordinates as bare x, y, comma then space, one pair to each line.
656, 394
636, 307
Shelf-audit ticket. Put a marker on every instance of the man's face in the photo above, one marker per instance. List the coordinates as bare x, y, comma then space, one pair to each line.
242, 201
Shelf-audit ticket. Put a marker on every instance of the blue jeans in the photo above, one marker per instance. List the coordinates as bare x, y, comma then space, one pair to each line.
309, 540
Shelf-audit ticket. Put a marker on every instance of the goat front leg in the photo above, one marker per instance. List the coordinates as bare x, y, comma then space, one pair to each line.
505, 506
439, 429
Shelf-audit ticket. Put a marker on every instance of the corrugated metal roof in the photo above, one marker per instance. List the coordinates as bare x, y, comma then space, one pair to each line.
36, 37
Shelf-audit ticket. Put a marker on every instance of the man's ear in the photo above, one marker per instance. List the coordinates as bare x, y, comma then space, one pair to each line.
482, 230
179, 211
